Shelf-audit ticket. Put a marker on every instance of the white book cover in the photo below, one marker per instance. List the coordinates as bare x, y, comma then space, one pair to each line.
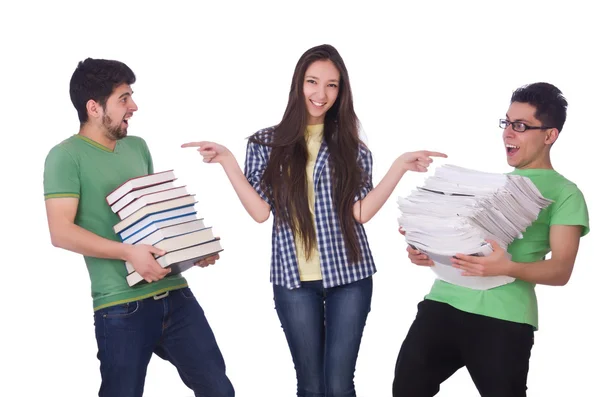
152, 198
158, 217
129, 197
181, 260
138, 183
179, 241
154, 209
154, 226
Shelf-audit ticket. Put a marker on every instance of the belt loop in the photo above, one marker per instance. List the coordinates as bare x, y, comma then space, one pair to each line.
161, 296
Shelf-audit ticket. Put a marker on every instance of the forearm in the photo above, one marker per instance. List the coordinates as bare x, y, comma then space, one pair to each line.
366, 208
258, 209
77, 239
547, 272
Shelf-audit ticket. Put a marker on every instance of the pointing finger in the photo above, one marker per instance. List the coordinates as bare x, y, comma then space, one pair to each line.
435, 154
194, 144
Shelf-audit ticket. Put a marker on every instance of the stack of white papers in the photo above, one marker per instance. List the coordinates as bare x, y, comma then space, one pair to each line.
457, 209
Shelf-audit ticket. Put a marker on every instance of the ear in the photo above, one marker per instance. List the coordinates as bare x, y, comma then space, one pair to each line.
551, 136
94, 109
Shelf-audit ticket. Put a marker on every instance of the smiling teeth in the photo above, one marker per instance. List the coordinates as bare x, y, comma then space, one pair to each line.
318, 103
512, 146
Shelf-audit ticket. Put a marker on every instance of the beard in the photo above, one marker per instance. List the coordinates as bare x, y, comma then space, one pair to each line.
112, 132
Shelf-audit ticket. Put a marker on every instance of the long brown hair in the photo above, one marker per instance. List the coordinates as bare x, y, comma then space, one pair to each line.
285, 175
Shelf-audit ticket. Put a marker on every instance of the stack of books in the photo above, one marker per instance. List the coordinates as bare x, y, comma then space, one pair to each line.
154, 211
457, 209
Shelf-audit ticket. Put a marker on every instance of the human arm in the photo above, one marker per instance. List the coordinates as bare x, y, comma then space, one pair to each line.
256, 206
368, 206
64, 233
564, 244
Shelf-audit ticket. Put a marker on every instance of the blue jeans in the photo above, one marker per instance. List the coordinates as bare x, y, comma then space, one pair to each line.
323, 328
173, 327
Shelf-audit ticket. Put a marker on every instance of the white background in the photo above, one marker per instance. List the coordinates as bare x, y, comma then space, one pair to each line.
425, 75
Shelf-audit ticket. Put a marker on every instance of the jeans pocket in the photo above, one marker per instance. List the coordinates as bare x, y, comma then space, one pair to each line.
120, 311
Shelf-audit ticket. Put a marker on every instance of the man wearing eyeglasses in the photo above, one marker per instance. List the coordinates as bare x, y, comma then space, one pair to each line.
491, 331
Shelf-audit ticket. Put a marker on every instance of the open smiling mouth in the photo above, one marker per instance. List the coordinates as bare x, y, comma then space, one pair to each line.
318, 104
511, 150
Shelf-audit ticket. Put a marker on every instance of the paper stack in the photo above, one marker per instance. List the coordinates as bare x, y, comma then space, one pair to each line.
457, 209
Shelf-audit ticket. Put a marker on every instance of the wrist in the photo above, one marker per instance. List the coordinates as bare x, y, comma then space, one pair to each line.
228, 159
229, 163
399, 167
512, 269
125, 251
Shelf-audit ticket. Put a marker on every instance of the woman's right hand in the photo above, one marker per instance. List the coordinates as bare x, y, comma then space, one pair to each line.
211, 152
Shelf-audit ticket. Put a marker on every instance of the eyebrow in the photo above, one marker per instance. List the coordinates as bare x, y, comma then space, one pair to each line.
125, 94
519, 120
316, 78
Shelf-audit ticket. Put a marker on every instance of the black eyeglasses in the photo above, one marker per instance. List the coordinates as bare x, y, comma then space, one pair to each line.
519, 126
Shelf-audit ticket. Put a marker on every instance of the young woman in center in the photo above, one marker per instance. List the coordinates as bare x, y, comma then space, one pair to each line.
314, 174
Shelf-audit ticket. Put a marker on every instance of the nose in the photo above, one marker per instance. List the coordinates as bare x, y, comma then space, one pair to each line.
321, 94
133, 106
508, 132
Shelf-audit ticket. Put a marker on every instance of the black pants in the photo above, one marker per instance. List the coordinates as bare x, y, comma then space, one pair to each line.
443, 339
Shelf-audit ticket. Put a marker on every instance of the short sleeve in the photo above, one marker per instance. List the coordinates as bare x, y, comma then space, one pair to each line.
61, 174
365, 162
570, 209
254, 168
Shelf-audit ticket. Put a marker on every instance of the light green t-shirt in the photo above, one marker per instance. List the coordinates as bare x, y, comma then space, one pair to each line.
517, 301
82, 168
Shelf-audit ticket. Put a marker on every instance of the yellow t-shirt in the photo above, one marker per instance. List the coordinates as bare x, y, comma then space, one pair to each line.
310, 268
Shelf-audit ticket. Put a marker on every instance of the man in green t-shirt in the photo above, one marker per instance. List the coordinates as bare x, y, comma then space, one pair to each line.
161, 316
490, 332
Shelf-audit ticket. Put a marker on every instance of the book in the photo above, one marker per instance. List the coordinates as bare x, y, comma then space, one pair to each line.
458, 209
151, 198
179, 241
140, 235
173, 215
152, 209
138, 183
181, 260
177, 229
129, 197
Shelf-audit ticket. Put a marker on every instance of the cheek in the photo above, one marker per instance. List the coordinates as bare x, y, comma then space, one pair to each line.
332, 96
307, 91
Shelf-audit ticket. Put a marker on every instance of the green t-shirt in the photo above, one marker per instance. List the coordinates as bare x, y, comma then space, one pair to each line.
517, 301
82, 168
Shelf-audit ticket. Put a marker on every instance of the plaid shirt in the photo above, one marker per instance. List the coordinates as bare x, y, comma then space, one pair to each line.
335, 267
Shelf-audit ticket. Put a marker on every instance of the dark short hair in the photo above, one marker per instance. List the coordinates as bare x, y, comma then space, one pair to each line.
549, 102
96, 79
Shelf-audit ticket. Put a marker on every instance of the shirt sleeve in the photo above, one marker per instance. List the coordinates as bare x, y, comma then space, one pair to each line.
365, 162
61, 174
254, 168
570, 209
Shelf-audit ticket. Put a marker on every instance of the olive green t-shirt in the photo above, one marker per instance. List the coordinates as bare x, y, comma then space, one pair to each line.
517, 301
82, 168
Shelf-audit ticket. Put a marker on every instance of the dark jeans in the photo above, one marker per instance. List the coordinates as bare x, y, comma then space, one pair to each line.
443, 339
323, 328
173, 327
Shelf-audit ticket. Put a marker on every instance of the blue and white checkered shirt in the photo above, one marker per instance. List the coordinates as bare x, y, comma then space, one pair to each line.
335, 265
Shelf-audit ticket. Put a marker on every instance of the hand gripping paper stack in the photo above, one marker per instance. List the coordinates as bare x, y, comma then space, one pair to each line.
457, 209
